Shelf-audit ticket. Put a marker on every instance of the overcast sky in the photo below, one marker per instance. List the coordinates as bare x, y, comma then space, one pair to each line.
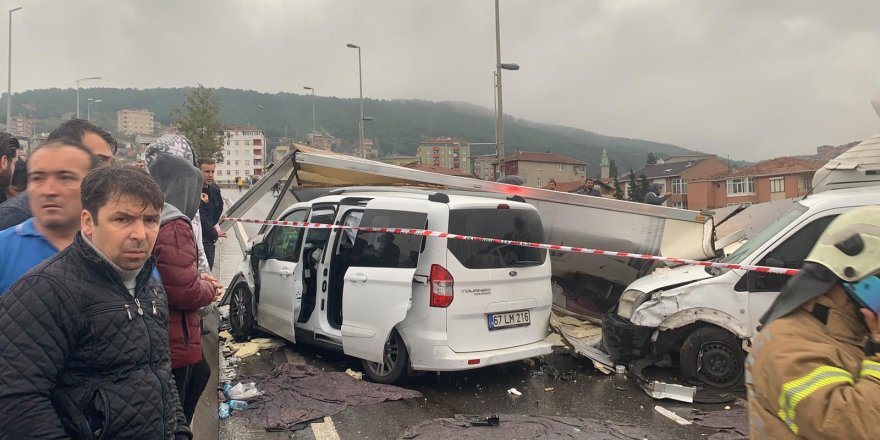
748, 78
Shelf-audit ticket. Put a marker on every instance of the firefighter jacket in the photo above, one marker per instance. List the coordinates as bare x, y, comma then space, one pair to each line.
808, 377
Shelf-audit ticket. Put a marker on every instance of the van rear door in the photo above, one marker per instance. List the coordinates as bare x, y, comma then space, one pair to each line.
377, 290
502, 292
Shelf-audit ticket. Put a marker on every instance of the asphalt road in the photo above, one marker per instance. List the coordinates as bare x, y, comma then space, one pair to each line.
559, 384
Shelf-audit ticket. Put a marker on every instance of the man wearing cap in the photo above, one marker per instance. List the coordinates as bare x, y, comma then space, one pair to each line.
814, 369
8, 155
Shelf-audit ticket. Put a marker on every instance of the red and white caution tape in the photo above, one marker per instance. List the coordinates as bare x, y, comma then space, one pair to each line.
551, 247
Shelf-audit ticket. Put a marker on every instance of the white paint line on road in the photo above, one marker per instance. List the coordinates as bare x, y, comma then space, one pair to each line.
325, 430
671, 415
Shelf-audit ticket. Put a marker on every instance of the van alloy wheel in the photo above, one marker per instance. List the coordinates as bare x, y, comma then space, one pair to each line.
395, 360
241, 317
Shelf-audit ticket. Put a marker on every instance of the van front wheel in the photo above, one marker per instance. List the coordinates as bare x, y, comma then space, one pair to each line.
713, 356
395, 360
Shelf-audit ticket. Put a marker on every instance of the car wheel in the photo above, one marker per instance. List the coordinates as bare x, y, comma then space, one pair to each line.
713, 356
395, 362
241, 315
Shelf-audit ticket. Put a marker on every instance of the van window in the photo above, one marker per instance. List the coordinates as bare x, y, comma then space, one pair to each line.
506, 224
284, 241
766, 234
790, 254
384, 249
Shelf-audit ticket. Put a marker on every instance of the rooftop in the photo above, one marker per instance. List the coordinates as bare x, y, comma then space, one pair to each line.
532, 156
773, 167
666, 169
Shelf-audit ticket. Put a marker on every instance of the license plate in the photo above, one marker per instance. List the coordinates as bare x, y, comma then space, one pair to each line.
509, 319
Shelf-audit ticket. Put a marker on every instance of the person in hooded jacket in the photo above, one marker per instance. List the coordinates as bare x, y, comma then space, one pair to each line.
814, 369
171, 162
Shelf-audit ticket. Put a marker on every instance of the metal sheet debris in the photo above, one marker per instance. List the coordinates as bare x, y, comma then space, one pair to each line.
672, 416
663, 390
583, 336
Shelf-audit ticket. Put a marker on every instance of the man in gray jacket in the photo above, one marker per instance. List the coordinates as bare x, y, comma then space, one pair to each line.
653, 196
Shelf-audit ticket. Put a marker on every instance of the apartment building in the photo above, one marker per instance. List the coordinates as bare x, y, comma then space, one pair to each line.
243, 153
675, 175
22, 126
131, 122
540, 168
446, 152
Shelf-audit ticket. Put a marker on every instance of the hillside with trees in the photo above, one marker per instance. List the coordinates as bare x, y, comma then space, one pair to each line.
397, 125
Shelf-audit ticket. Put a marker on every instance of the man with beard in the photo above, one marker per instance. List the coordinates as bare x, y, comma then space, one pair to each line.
84, 335
8, 153
55, 172
96, 139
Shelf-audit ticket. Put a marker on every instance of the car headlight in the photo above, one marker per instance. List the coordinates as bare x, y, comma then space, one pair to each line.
629, 302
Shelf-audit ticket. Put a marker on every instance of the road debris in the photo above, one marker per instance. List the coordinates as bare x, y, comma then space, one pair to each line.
672, 416
663, 390
252, 347
514, 392
355, 374
243, 391
584, 337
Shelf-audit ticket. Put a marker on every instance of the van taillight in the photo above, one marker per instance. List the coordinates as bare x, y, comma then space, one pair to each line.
441, 286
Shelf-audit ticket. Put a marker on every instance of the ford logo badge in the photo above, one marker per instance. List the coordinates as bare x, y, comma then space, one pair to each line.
513, 273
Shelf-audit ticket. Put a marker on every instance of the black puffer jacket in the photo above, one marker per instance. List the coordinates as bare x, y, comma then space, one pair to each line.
80, 357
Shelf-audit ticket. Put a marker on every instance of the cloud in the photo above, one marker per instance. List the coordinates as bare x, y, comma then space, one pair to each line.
750, 79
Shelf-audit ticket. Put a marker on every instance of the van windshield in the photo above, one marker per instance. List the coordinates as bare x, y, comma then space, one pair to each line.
766, 234
505, 224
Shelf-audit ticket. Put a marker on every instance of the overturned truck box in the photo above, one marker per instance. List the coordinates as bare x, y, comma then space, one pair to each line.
586, 285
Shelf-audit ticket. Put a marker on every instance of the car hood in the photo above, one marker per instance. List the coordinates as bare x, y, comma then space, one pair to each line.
665, 277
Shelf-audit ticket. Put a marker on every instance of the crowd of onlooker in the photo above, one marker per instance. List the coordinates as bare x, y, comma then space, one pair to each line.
104, 274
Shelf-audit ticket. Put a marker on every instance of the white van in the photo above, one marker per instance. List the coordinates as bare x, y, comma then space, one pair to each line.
706, 317
400, 303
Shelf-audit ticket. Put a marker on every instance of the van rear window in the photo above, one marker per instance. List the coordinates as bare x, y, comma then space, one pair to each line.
506, 224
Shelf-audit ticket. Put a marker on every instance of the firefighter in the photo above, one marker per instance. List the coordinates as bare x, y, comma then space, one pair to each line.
814, 370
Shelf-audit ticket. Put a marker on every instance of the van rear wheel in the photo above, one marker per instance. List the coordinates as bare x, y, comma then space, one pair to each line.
395, 360
713, 356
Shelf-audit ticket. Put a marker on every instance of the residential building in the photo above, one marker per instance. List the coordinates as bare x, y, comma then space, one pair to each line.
22, 126
485, 166
280, 151
401, 160
322, 141
371, 148
775, 179
243, 153
131, 122
436, 169
446, 152
539, 168
675, 175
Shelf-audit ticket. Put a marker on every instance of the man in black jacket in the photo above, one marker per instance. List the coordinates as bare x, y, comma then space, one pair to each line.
84, 335
210, 209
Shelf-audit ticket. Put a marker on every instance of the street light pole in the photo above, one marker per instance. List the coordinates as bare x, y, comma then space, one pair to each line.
361, 85
313, 107
77, 91
9, 77
89, 107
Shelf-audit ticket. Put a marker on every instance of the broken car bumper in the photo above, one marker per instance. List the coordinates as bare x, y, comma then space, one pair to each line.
625, 341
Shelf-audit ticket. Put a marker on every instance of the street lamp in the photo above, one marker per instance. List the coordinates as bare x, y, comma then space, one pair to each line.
361, 83
89, 107
499, 125
313, 106
77, 91
9, 76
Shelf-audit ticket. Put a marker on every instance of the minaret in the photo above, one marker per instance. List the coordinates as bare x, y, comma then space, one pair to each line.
605, 166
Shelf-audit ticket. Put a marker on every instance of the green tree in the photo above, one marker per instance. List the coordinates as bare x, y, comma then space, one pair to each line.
612, 168
618, 193
633, 187
652, 160
644, 187
199, 121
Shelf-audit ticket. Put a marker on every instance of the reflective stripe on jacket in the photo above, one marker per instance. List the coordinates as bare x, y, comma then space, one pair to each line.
811, 379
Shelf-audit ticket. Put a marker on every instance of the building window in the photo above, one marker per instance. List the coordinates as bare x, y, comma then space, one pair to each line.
247, 142
228, 162
237, 172
806, 183
236, 143
777, 184
236, 163
679, 186
680, 205
228, 172
540, 183
560, 167
740, 185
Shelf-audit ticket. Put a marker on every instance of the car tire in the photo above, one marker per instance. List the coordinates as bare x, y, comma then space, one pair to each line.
241, 315
714, 357
396, 364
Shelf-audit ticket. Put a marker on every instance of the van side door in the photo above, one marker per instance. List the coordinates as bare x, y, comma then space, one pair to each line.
280, 274
377, 289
